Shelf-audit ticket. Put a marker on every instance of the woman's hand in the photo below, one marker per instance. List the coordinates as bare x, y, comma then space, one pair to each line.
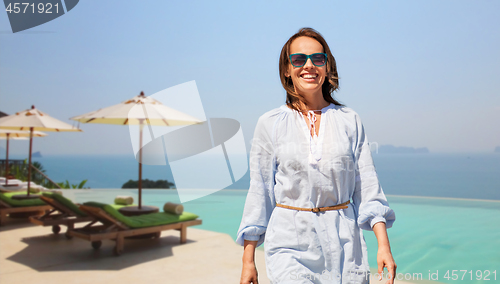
249, 271
384, 259
384, 255
249, 274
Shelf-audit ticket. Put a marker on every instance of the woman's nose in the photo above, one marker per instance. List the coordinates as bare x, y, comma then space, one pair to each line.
309, 63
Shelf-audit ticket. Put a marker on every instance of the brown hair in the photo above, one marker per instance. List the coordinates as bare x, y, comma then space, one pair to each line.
293, 99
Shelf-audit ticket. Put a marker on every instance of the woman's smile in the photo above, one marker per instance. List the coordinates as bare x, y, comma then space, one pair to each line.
308, 79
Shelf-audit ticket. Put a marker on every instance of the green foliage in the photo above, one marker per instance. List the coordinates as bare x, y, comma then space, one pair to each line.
82, 183
37, 165
20, 172
146, 183
67, 185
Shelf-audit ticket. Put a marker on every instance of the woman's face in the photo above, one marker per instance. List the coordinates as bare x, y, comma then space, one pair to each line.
309, 78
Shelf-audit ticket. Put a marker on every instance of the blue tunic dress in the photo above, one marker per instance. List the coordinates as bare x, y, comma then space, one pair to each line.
288, 166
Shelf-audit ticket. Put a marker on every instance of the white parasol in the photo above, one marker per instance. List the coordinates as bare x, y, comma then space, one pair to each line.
139, 110
16, 135
33, 119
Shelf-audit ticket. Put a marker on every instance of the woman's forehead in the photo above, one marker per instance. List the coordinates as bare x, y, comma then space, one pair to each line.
305, 45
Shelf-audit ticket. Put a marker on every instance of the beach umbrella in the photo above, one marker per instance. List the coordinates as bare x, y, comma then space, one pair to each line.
139, 110
16, 135
34, 120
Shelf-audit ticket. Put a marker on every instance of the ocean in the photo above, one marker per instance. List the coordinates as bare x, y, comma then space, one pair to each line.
474, 176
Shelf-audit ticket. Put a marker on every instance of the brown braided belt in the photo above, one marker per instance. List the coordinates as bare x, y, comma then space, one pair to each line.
317, 209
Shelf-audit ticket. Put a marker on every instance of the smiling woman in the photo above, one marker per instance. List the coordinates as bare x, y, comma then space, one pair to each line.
311, 43
309, 159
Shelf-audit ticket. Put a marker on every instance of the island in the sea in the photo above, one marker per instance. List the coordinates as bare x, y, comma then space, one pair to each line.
391, 149
37, 154
146, 183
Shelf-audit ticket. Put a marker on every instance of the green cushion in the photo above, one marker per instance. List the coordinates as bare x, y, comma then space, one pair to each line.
146, 220
118, 206
66, 202
101, 205
7, 198
95, 204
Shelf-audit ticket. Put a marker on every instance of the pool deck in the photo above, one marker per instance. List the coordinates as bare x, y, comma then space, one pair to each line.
32, 254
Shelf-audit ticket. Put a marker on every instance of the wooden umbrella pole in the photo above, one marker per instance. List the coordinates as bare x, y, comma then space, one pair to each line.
7, 162
140, 165
29, 167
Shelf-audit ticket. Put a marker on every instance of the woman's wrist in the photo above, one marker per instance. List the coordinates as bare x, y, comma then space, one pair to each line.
381, 233
249, 252
384, 248
248, 258
248, 262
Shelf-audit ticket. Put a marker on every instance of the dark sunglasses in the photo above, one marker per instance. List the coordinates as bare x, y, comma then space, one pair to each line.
300, 59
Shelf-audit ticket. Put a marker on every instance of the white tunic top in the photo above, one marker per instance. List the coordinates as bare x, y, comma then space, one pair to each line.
287, 167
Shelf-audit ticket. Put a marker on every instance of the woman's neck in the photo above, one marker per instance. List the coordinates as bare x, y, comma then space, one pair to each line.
314, 103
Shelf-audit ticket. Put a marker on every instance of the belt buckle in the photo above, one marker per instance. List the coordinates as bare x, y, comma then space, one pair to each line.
315, 210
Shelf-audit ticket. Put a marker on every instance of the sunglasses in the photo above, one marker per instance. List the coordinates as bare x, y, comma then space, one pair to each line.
300, 59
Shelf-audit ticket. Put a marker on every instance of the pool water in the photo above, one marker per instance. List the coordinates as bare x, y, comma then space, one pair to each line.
431, 236
441, 235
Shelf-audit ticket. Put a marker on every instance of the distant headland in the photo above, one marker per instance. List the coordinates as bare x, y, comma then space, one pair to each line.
37, 154
391, 149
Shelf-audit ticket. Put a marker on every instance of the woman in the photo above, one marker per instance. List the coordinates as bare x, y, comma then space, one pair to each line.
308, 160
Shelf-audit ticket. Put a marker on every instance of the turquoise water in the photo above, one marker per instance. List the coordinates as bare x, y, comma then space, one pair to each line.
440, 175
440, 235
430, 234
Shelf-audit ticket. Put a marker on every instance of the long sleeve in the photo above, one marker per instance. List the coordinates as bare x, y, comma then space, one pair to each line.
369, 199
260, 200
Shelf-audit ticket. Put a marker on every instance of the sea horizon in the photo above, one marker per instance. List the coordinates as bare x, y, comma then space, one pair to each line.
453, 175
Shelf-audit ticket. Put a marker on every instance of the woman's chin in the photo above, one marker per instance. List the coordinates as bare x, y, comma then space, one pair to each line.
310, 89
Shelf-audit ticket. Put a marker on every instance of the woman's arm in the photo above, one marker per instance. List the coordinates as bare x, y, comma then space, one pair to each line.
384, 255
249, 272
260, 201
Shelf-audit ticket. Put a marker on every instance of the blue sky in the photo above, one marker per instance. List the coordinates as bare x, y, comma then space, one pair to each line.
419, 73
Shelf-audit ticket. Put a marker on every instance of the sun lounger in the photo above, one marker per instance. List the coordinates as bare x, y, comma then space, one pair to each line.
64, 212
16, 185
116, 226
12, 185
9, 205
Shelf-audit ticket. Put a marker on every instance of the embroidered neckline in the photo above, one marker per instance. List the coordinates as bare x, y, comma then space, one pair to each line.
311, 116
